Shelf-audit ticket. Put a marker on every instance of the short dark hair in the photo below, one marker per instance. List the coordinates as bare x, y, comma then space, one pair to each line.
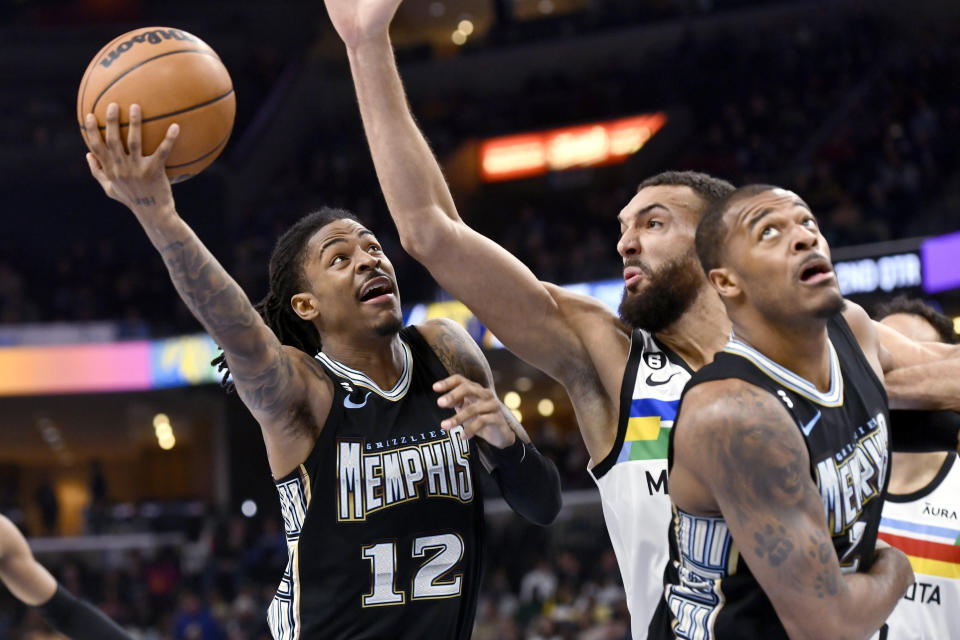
709, 188
287, 278
917, 307
712, 230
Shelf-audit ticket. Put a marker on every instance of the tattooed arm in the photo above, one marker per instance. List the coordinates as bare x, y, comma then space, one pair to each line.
737, 450
273, 380
528, 481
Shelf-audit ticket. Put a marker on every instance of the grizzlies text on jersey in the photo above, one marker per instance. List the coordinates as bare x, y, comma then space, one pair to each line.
383, 519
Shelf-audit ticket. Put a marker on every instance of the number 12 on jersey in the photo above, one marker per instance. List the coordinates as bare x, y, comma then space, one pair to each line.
428, 582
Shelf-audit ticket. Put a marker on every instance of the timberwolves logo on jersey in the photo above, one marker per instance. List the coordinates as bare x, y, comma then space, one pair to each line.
378, 475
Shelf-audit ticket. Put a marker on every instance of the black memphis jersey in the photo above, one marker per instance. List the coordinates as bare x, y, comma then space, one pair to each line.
709, 591
384, 519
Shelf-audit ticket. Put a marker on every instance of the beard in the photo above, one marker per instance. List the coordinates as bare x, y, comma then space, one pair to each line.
389, 327
669, 293
834, 306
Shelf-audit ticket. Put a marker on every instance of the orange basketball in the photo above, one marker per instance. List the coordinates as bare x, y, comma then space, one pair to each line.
175, 77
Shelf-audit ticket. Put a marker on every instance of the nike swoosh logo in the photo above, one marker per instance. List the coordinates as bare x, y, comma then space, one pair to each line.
350, 404
807, 428
654, 383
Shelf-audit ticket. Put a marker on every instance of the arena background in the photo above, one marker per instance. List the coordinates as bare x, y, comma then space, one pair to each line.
174, 530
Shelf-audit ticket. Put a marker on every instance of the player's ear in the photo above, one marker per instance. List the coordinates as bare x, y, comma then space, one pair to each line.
306, 306
725, 282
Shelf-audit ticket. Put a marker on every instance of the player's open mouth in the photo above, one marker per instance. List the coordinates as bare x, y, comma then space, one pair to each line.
376, 290
815, 270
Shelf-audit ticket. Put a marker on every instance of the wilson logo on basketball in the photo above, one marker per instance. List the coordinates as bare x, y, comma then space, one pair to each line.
150, 37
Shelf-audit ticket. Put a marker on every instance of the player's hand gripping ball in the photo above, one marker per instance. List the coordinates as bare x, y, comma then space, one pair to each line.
175, 77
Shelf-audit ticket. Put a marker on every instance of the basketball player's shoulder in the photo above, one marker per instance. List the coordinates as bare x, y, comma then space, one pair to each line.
730, 415
455, 348
308, 367
718, 396
725, 404
865, 332
859, 322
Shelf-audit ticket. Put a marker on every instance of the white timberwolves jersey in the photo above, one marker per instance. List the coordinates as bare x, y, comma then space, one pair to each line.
633, 477
925, 525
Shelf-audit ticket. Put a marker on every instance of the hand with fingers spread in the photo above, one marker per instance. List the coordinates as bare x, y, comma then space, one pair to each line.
477, 409
140, 182
359, 20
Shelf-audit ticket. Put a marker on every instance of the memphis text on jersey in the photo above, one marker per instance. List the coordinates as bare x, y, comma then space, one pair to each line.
853, 476
847, 481
377, 475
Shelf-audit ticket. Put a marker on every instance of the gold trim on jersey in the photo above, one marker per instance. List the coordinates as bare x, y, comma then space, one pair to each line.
283, 613
360, 379
305, 480
801, 386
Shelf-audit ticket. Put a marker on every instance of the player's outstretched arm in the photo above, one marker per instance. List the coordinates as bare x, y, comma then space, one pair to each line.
26, 579
917, 375
271, 379
33, 585
529, 482
503, 293
743, 447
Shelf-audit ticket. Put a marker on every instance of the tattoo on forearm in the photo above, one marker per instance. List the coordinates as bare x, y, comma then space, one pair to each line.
827, 583
827, 580
820, 550
776, 478
227, 314
768, 484
213, 297
146, 201
774, 543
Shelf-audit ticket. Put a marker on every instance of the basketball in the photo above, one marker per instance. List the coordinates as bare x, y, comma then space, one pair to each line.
175, 77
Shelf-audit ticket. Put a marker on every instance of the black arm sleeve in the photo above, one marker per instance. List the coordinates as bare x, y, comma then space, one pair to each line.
78, 619
529, 482
919, 431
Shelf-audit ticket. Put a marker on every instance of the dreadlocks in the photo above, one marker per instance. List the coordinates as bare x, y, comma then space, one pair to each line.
286, 280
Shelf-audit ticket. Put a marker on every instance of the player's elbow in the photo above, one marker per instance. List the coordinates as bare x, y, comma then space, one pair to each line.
534, 490
546, 511
426, 234
542, 514
835, 624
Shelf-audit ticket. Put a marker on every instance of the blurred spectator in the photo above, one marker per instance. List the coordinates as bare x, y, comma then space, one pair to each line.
193, 620
49, 507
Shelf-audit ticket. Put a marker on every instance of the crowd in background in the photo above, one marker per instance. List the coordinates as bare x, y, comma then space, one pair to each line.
558, 582
863, 127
